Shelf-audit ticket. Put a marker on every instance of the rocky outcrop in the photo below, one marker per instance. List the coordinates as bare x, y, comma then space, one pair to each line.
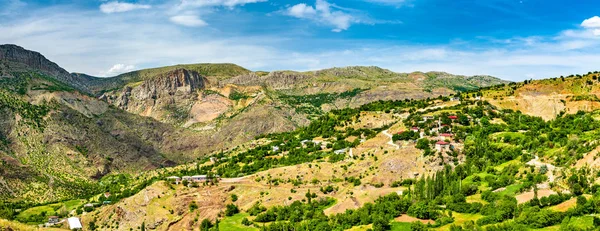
171, 90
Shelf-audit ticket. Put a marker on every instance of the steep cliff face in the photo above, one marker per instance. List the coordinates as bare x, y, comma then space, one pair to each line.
166, 97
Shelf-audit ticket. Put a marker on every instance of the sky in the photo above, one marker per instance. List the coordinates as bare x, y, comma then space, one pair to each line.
511, 39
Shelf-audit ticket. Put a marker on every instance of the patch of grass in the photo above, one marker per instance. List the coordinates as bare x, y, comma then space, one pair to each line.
400, 226
511, 190
36, 214
234, 223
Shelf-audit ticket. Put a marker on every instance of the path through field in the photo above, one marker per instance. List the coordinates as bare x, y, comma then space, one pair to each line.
391, 142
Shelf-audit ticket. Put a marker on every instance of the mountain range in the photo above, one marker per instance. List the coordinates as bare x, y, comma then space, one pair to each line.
62, 131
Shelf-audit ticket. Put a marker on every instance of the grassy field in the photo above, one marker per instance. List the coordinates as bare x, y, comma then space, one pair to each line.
400, 226
460, 219
50, 209
511, 190
234, 223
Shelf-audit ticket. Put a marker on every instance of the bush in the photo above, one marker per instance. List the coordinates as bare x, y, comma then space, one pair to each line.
246, 222
231, 210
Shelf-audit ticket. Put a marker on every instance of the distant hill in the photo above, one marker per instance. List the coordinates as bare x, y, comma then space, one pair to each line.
548, 98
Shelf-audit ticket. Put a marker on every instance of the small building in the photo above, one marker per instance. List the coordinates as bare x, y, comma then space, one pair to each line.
340, 151
53, 220
88, 205
212, 159
415, 129
199, 178
442, 146
428, 118
452, 117
106, 194
275, 148
445, 136
175, 179
74, 223
454, 99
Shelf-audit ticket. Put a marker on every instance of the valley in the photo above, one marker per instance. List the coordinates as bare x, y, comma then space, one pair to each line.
220, 147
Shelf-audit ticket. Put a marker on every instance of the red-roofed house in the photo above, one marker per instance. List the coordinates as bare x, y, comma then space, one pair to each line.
441, 146
453, 117
446, 136
415, 129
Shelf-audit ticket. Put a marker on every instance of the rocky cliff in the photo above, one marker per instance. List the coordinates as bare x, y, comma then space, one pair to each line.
171, 91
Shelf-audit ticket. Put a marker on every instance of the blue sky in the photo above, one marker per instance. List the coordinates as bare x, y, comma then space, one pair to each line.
511, 39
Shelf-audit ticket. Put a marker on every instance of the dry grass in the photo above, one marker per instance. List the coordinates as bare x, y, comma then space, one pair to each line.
6, 225
527, 196
409, 219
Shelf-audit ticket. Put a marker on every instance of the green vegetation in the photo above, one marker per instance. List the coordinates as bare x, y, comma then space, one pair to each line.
236, 95
311, 104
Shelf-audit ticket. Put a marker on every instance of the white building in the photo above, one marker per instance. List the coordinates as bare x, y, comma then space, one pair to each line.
442, 146
74, 223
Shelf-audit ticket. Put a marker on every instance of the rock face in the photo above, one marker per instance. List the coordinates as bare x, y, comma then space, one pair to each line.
277, 80
174, 90
19, 59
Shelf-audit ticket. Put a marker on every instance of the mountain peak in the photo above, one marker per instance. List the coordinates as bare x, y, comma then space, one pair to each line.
19, 59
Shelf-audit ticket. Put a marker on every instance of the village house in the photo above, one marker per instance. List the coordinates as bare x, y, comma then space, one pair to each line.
442, 146
275, 148
74, 223
453, 117
198, 178
445, 136
53, 220
106, 194
415, 129
427, 118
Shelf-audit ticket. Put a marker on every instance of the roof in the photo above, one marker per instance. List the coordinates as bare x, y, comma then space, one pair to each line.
199, 176
174, 177
414, 128
74, 223
453, 117
442, 143
446, 134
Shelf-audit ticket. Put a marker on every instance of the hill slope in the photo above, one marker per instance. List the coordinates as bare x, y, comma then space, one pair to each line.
548, 98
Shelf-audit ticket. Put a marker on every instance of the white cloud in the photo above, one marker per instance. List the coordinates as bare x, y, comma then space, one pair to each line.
213, 3
590, 23
302, 11
117, 7
117, 69
189, 20
323, 13
90, 42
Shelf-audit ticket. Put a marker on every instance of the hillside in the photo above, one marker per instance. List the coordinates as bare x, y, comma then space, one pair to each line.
503, 170
548, 98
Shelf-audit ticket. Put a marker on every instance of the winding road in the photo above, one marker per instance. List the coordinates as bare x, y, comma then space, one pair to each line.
391, 142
